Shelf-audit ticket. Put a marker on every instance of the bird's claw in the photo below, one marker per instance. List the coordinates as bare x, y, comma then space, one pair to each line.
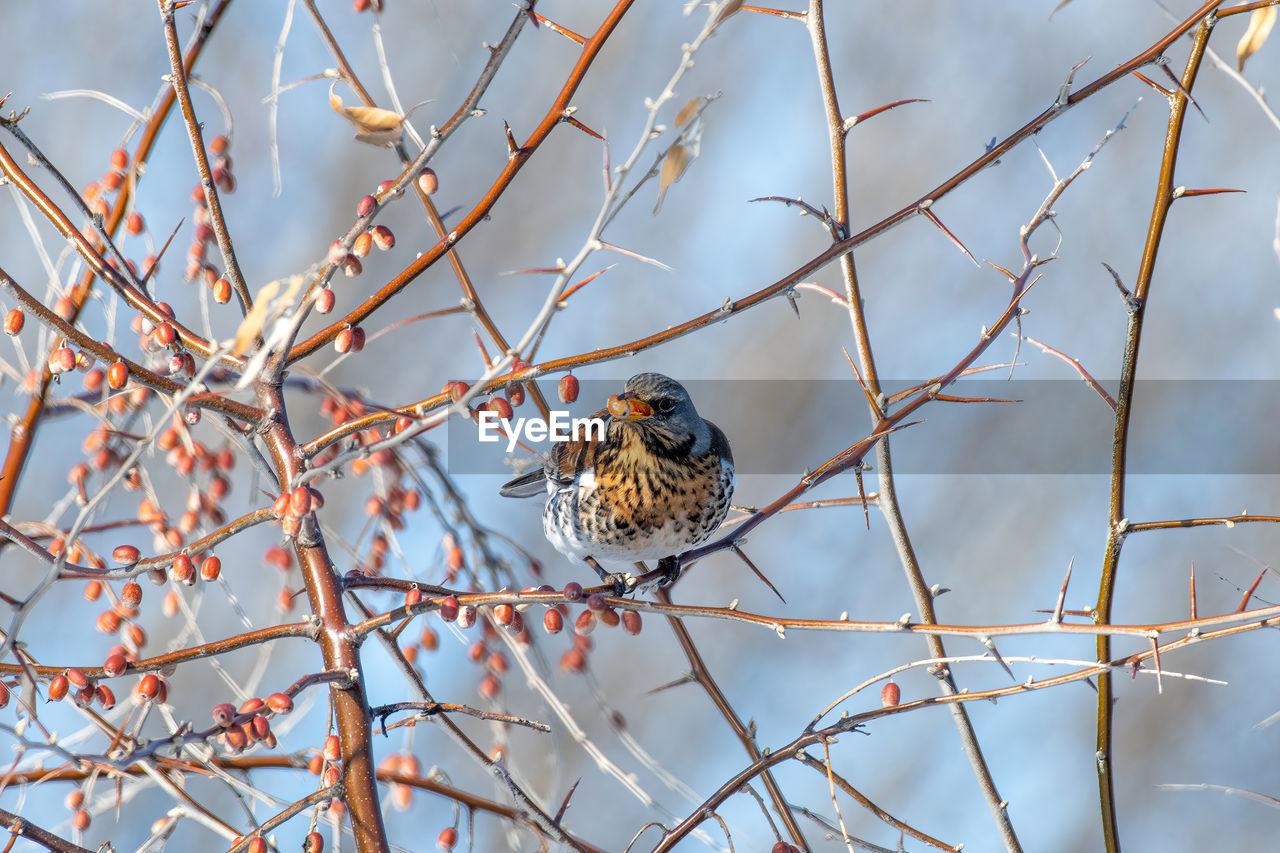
622, 582
670, 568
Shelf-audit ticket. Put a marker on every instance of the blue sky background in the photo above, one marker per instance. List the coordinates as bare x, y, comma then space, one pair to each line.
999, 543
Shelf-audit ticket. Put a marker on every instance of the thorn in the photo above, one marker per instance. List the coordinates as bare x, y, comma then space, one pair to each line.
635, 255
582, 127
1064, 92
862, 493
790, 16
1193, 590
687, 678
1131, 302
1155, 652
1183, 191
147, 276
850, 123
1248, 594
738, 550
1177, 84
999, 268
991, 647
556, 28
512, 148
488, 362
791, 298
1153, 84
564, 806
584, 283
927, 211
866, 392
1062, 594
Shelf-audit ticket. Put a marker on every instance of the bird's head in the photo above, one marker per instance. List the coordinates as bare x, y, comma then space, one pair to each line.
654, 401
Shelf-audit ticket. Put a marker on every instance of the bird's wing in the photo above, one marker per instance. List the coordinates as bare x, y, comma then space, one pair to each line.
564, 463
526, 485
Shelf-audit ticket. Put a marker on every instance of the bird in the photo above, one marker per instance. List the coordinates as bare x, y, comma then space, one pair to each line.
657, 484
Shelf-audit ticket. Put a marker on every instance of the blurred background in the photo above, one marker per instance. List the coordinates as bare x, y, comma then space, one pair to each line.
999, 539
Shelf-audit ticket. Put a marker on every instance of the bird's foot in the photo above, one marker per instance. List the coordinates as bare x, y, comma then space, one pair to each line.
670, 568
622, 582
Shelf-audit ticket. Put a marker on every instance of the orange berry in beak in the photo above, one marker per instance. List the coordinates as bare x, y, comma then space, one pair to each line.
624, 408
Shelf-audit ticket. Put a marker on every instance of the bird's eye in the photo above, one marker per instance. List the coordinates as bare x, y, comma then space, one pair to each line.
666, 405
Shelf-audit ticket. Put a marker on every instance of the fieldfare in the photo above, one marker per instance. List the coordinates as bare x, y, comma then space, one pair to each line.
658, 484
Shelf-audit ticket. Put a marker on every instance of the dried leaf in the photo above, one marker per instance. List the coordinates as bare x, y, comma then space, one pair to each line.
268, 306
1260, 23
374, 125
673, 167
252, 324
689, 110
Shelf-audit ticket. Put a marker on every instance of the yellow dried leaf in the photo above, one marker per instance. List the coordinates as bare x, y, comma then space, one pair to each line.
673, 167
252, 324
373, 124
1260, 23
689, 110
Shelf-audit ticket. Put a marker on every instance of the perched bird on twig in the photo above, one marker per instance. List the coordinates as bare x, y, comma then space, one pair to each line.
658, 484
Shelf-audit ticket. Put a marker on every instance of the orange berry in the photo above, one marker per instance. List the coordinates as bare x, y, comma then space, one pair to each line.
567, 389
14, 321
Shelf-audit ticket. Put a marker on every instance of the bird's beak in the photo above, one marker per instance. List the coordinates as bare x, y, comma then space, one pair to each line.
625, 407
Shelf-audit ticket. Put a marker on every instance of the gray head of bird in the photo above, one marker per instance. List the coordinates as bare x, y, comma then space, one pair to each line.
657, 402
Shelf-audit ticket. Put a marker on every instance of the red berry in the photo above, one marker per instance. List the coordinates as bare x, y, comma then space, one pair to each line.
165, 334
383, 238
14, 321
890, 694
366, 205
118, 375
210, 568
105, 696
363, 245
58, 688
222, 291
119, 159
568, 388
553, 622
502, 614
456, 390
449, 609
219, 144
125, 554
115, 665
62, 360
447, 839
573, 591
631, 622
501, 407
77, 678
325, 300
280, 703
224, 715
427, 180
134, 224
